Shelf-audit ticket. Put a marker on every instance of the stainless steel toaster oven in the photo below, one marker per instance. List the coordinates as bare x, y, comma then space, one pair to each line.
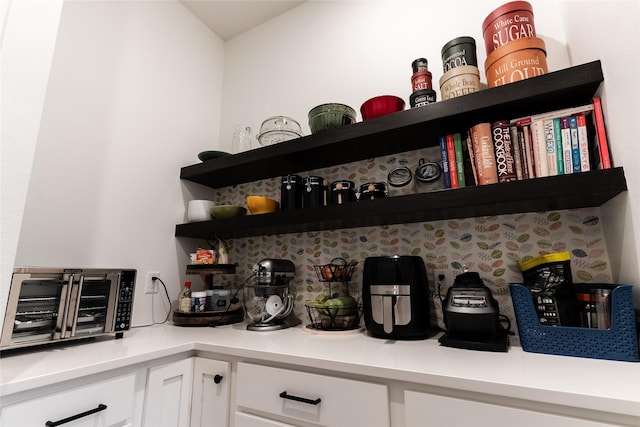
47, 305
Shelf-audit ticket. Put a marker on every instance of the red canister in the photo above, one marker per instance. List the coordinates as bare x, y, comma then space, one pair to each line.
421, 81
511, 21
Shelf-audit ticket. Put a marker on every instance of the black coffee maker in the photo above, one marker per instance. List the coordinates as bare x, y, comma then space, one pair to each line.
395, 297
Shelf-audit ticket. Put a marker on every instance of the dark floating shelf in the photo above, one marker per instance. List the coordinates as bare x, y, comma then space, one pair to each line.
409, 130
402, 131
587, 189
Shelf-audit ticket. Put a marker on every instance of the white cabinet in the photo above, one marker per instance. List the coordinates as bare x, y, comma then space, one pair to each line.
168, 394
102, 403
424, 409
247, 420
211, 388
310, 398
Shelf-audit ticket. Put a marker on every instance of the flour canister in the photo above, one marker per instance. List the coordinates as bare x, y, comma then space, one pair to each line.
459, 81
511, 21
515, 61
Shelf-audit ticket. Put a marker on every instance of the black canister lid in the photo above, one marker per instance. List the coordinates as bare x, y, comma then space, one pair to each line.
457, 40
399, 177
420, 64
313, 180
291, 179
343, 184
373, 186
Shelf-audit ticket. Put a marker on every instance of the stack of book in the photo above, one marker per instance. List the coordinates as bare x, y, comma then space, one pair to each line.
559, 142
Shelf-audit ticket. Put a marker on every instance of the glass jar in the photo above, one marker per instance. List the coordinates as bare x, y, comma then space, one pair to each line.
400, 181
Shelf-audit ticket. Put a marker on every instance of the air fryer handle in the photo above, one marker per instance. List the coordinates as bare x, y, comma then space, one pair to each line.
387, 313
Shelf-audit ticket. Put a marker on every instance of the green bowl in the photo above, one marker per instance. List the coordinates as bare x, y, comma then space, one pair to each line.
329, 116
227, 211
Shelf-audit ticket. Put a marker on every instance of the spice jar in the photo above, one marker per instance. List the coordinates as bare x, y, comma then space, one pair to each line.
291, 192
343, 192
314, 192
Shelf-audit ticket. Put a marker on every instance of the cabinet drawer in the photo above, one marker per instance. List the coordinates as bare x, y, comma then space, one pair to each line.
433, 410
313, 398
117, 394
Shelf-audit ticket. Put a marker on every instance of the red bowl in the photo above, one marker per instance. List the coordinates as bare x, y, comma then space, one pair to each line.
381, 105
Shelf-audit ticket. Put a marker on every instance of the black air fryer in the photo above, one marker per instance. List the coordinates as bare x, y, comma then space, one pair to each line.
395, 297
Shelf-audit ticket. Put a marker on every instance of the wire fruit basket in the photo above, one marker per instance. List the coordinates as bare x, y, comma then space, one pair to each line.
334, 318
338, 270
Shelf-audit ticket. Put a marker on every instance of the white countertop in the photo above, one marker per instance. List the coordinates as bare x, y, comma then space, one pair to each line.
579, 382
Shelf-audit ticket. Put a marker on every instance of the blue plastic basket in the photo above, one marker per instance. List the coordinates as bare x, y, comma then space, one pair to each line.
620, 342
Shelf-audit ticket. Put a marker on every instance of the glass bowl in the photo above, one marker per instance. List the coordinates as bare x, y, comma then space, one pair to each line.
277, 129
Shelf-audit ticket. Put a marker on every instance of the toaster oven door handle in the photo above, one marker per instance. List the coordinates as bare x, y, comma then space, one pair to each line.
75, 283
61, 320
100, 407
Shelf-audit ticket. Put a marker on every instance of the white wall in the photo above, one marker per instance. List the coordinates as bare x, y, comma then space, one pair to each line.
134, 94
613, 36
28, 31
350, 51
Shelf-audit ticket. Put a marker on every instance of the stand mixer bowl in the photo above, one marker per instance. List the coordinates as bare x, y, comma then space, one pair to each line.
269, 302
267, 306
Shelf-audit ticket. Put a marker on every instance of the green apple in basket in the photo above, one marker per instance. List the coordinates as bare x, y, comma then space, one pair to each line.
344, 305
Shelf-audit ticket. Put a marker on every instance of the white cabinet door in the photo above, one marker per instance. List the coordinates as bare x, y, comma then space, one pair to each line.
168, 394
424, 409
100, 404
247, 420
210, 398
311, 398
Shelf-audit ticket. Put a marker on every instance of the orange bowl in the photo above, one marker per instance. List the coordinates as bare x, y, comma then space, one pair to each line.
261, 205
381, 105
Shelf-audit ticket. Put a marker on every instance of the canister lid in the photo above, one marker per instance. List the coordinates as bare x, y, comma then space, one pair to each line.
513, 46
420, 64
399, 177
313, 180
342, 185
457, 40
372, 187
506, 8
428, 172
291, 179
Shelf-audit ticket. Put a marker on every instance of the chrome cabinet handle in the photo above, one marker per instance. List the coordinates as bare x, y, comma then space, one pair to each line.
217, 378
100, 407
284, 395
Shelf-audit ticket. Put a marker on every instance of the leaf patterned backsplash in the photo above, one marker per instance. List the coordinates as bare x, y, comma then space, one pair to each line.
491, 246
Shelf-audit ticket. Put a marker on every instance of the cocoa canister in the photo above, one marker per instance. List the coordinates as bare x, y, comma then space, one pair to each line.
459, 81
421, 81
511, 21
422, 98
515, 61
314, 192
291, 192
459, 52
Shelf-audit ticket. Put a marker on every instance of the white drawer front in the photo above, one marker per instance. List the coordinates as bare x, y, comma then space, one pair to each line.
342, 402
116, 394
440, 411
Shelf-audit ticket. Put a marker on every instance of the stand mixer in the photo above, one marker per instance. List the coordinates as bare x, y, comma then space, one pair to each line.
269, 303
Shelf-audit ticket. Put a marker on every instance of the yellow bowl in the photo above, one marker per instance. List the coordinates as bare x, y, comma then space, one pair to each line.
260, 205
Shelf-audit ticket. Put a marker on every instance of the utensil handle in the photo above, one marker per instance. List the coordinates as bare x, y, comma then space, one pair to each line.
284, 395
